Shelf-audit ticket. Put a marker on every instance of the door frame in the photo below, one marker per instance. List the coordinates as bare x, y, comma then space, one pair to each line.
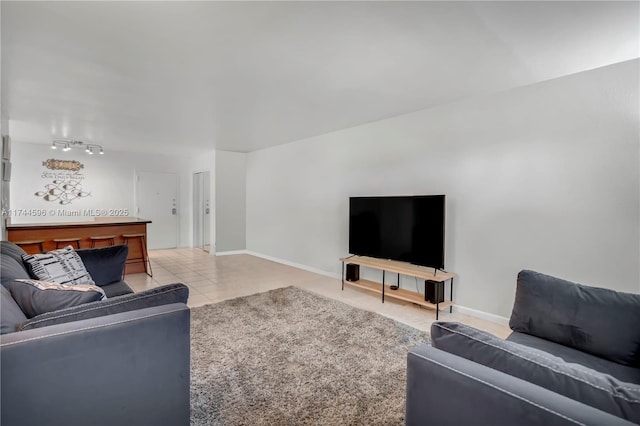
136, 198
211, 194
197, 214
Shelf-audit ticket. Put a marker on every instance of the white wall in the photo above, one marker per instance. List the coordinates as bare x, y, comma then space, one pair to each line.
109, 178
230, 201
4, 130
542, 177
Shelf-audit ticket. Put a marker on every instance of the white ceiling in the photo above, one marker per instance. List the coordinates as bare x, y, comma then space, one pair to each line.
241, 76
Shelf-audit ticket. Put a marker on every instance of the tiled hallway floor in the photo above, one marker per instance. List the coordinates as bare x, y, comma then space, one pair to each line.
212, 279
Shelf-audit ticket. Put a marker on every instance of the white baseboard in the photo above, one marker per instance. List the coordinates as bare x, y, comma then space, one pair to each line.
295, 265
462, 309
481, 314
231, 252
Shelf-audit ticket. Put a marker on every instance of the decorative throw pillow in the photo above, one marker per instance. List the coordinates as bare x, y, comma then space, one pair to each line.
62, 266
38, 297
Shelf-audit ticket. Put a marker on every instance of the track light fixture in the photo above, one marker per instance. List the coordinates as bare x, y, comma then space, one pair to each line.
66, 145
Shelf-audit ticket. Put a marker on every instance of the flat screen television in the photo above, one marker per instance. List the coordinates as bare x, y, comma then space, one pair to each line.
404, 228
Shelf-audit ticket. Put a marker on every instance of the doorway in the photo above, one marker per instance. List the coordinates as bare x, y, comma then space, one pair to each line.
202, 211
157, 201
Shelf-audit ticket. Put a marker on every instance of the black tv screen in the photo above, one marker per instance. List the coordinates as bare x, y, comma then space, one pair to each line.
407, 228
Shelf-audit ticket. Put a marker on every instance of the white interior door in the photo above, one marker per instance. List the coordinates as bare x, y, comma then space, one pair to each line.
157, 201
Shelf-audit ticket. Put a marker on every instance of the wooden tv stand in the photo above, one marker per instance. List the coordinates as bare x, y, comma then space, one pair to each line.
400, 268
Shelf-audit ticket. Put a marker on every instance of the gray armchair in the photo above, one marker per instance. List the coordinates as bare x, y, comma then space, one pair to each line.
573, 358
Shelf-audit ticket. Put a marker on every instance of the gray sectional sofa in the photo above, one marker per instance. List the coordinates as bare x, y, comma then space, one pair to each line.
573, 359
120, 361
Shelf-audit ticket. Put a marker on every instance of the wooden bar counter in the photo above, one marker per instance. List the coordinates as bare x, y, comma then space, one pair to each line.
116, 226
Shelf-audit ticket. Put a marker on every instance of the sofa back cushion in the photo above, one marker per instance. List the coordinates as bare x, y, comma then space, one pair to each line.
598, 321
11, 316
12, 250
119, 288
11, 266
572, 380
105, 264
11, 269
621, 372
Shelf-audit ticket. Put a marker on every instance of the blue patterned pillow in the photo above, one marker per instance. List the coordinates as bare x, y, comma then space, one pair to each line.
62, 266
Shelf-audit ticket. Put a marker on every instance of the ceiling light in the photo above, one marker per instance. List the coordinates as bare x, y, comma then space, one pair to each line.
66, 145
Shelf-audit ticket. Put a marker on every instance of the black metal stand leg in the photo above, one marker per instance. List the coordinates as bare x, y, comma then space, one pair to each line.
451, 296
383, 286
437, 307
342, 276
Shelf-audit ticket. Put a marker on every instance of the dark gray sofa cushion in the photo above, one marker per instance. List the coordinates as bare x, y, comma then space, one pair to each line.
165, 295
11, 266
105, 264
619, 371
11, 269
119, 288
12, 250
447, 390
11, 316
38, 297
598, 321
572, 380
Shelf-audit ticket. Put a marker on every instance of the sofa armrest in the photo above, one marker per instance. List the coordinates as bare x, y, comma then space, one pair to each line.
126, 368
445, 389
105, 264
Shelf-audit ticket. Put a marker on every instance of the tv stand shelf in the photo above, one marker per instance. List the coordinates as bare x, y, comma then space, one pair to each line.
400, 268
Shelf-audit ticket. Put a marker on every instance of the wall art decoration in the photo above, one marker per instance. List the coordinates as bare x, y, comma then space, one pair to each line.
65, 181
71, 165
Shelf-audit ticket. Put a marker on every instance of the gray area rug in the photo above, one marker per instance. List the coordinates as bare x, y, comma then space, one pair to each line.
291, 357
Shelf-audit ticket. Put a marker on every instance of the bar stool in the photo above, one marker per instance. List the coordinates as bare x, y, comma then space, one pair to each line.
67, 241
143, 247
103, 238
31, 243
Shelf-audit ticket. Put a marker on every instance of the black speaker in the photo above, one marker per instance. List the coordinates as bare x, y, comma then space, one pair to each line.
434, 291
353, 272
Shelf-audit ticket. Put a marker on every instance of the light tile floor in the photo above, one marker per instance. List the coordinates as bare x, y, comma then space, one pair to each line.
212, 279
